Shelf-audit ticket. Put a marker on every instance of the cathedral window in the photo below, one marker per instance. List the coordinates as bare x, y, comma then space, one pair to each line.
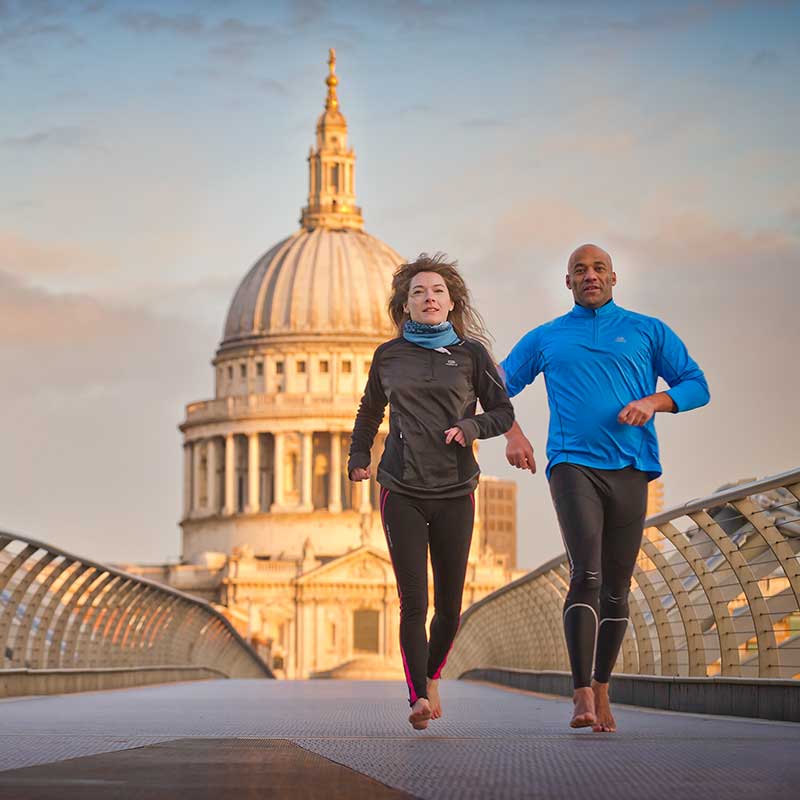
259, 368
301, 367
279, 367
323, 366
366, 624
243, 370
230, 373
347, 365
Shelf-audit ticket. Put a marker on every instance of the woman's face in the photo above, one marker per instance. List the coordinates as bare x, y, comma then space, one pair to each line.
428, 299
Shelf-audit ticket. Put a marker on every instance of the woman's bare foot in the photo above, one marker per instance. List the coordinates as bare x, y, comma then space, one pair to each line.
420, 714
583, 715
605, 719
434, 699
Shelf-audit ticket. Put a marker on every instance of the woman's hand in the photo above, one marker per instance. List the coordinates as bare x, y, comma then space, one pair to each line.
455, 433
360, 474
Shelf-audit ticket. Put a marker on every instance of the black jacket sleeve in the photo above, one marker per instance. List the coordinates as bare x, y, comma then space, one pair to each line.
498, 413
368, 418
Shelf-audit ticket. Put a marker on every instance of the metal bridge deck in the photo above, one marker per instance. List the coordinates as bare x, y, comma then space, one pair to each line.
337, 739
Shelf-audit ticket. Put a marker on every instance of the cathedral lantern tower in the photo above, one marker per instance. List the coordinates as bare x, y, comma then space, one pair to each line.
331, 174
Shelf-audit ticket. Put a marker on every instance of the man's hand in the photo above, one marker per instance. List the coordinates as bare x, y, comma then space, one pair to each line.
455, 433
638, 413
519, 451
360, 474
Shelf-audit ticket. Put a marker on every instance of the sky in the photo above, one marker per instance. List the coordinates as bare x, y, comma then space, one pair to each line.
150, 152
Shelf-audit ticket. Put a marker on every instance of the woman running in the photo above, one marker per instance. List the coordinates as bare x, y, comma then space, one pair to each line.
431, 377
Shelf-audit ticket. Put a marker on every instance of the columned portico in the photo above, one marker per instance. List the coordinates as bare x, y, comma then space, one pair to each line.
306, 464
253, 466
212, 492
335, 474
277, 505
230, 483
187, 479
196, 478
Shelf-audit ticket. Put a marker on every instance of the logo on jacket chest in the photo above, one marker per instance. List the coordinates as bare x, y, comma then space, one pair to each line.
451, 363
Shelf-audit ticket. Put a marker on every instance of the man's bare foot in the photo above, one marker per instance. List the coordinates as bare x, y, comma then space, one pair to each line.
605, 719
420, 714
434, 699
583, 715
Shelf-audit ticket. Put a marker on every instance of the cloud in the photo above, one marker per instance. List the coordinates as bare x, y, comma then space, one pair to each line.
59, 137
766, 59
95, 391
25, 22
23, 256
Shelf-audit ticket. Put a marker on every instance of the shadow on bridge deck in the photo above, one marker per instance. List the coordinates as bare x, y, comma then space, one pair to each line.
240, 738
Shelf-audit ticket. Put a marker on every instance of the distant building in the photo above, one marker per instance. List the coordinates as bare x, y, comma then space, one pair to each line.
498, 523
273, 530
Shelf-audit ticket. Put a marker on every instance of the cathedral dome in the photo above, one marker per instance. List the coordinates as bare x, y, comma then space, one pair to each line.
331, 278
315, 282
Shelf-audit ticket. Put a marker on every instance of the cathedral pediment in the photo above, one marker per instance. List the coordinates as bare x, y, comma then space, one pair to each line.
365, 563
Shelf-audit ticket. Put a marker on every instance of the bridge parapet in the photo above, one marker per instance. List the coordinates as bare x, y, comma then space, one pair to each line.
68, 623
715, 592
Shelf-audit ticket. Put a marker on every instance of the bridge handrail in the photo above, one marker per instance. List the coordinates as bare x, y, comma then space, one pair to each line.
102, 616
721, 597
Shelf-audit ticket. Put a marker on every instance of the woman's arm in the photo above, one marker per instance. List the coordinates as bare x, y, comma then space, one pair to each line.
498, 413
368, 420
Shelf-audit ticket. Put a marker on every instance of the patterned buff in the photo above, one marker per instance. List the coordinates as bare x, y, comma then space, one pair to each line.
430, 336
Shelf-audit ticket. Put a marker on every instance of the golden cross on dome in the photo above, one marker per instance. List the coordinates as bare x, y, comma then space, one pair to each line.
332, 101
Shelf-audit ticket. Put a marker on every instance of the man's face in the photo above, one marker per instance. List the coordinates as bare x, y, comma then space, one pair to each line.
590, 276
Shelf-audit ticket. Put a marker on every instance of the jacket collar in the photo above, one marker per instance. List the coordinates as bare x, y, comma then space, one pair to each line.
608, 309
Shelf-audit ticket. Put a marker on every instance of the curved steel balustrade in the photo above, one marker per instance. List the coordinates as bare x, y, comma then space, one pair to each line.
62, 613
716, 591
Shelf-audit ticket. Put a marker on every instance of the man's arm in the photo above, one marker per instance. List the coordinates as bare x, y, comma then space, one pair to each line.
519, 450
688, 387
640, 412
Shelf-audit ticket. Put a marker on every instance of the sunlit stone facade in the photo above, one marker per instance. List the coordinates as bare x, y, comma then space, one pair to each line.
272, 528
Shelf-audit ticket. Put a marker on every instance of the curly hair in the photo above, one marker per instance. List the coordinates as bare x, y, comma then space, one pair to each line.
467, 322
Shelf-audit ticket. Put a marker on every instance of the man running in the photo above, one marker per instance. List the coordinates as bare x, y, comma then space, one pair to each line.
601, 363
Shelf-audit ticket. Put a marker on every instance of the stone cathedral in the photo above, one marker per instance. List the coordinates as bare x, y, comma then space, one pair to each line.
273, 531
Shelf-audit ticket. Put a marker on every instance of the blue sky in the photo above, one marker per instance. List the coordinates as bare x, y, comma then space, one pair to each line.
150, 152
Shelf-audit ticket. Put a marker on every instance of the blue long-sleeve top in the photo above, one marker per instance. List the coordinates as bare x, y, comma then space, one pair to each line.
595, 362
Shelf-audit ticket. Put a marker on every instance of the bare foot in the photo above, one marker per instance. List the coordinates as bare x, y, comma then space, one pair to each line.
605, 719
420, 714
583, 715
433, 697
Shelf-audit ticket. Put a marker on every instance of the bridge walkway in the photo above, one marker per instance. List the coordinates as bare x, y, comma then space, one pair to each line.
332, 739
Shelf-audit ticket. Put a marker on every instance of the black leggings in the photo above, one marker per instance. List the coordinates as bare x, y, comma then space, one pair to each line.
601, 513
411, 524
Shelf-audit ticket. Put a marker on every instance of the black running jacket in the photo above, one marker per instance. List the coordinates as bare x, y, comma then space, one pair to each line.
429, 391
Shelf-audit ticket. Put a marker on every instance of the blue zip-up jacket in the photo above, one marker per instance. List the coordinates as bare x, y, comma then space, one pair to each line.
595, 362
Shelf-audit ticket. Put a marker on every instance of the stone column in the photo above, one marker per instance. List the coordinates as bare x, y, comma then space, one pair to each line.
230, 474
253, 463
335, 474
278, 471
196, 476
211, 477
307, 467
187, 479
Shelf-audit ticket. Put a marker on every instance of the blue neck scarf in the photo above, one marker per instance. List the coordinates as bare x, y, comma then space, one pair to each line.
430, 336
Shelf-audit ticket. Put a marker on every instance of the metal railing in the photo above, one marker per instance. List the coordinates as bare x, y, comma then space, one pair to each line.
715, 592
62, 613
